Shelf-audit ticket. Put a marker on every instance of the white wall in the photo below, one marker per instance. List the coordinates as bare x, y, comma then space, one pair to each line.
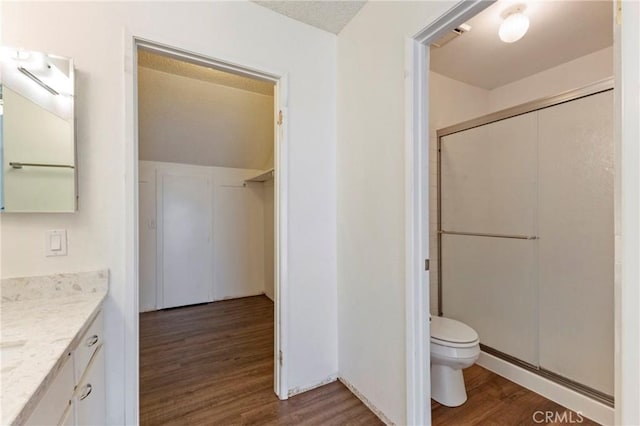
570, 75
190, 121
242, 32
371, 262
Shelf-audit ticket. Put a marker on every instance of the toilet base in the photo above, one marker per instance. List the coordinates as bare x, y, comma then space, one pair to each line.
447, 386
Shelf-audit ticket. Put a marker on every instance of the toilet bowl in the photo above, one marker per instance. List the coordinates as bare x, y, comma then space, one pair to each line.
454, 346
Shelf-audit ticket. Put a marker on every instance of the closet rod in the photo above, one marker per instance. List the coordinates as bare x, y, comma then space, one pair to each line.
480, 234
17, 165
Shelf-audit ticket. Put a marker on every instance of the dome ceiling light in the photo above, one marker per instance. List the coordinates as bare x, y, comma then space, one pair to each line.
514, 26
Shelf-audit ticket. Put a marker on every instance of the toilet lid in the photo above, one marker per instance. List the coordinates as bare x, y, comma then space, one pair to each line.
448, 330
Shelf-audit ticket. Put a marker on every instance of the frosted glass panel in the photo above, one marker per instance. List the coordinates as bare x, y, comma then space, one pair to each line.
488, 283
489, 177
577, 240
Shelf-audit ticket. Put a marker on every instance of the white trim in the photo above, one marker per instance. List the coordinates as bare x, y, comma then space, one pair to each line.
418, 375
627, 379
416, 160
131, 314
281, 200
386, 420
302, 389
564, 396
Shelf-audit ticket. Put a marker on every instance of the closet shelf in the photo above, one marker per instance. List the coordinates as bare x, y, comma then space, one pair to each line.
262, 177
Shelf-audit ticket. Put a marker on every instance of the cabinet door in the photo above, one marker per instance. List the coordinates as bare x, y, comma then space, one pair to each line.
68, 418
51, 407
89, 397
89, 342
576, 247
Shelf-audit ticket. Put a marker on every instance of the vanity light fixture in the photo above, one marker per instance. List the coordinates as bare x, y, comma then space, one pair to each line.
37, 80
41, 68
514, 26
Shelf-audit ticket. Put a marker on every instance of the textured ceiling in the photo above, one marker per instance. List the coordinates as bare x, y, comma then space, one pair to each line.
327, 15
185, 69
559, 31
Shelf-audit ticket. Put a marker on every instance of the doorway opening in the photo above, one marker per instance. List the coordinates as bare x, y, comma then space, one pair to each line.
211, 170
595, 399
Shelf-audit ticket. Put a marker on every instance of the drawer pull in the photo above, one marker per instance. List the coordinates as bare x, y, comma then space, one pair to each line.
92, 340
87, 390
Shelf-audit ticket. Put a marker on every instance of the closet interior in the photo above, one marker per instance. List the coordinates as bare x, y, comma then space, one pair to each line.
206, 184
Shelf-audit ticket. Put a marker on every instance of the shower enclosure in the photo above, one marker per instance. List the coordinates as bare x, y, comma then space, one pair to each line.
526, 235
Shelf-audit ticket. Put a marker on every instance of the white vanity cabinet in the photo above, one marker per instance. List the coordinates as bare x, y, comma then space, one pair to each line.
76, 396
56, 401
89, 395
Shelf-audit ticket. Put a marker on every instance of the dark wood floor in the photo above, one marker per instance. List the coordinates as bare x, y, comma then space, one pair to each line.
213, 365
494, 400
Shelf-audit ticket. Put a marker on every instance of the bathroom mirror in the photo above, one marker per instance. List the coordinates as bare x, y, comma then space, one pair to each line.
37, 132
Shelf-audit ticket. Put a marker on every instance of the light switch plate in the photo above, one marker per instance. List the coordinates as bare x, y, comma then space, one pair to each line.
55, 242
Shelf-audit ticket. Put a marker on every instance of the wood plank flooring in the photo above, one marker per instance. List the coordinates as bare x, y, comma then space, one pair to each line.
212, 364
494, 400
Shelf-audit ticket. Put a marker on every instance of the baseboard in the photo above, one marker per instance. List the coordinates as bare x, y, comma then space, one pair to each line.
242, 296
301, 389
366, 402
568, 398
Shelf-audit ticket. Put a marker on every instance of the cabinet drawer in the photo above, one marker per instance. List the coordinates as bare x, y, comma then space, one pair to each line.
87, 346
55, 401
89, 398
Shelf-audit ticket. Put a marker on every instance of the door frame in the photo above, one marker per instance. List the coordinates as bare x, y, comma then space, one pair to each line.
131, 239
417, 159
627, 281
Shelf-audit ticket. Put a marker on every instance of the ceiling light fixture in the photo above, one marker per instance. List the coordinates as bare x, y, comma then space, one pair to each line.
514, 26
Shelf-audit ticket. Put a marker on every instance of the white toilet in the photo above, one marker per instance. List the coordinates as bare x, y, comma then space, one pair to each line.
454, 346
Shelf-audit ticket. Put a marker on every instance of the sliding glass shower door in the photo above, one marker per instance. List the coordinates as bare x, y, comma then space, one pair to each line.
488, 205
526, 237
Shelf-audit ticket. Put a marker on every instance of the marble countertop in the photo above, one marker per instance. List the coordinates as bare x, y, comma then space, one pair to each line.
42, 319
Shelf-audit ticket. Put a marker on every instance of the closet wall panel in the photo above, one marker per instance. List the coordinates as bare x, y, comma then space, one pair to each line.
185, 239
238, 241
576, 247
476, 164
240, 221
